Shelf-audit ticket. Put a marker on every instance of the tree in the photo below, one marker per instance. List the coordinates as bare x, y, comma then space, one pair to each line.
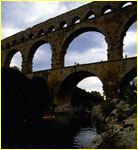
129, 93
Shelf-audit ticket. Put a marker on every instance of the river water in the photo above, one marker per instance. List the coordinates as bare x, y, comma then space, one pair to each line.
63, 132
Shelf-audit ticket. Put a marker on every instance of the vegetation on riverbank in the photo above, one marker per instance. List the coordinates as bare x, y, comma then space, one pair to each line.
116, 121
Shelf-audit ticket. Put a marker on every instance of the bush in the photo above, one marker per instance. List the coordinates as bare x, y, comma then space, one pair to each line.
121, 115
107, 107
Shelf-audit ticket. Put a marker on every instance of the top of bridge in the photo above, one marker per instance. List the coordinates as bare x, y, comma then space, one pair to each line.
69, 18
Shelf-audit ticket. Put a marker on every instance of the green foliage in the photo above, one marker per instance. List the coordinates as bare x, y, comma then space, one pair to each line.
20, 99
15, 68
107, 107
38, 98
121, 115
129, 92
13, 93
100, 126
82, 98
110, 140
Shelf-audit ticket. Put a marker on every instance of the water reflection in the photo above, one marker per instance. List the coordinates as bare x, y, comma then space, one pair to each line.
84, 137
63, 132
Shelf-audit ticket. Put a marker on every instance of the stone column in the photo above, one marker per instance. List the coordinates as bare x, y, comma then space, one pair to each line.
26, 66
111, 89
115, 47
57, 59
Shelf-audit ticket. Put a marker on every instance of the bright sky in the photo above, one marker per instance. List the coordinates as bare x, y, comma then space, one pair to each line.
86, 48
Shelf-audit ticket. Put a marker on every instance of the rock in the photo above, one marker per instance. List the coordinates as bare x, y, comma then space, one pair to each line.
66, 108
119, 128
96, 142
115, 101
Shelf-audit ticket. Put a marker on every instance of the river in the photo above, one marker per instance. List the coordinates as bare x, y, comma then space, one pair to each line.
63, 132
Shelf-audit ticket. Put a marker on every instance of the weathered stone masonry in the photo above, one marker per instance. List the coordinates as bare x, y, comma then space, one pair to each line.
59, 33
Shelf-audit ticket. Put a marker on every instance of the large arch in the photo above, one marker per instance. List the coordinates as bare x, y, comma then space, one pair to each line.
42, 58
129, 76
67, 87
32, 51
130, 42
128, 23
10, 55
73, 35
86, 48
76, 33
40, 91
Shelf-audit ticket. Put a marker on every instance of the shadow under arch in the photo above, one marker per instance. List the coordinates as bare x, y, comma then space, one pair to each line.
32, 51
129, 76
67, 87
40, 89
76, 33
10, 56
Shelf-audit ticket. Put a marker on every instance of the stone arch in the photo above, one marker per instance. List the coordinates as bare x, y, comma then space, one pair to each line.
105, 9
31, 53
67, 87
130, 75
38, 81
40, 88
122, 4
51, 29
73, 35
14, 42
10, 56
90, 15
128, 23
8, 44
31, 36
41, 32
76, 20
22, 39
63, 24
76, 33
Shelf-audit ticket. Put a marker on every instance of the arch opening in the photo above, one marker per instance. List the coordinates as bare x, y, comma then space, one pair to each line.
85, 47
107, 9
130, 41
22, 39
14, 60
14, 42
76, 20
74, 84
40, 55
128, 86
90, 15
8, 44
51, 29
63, 24
125, 4
41, 32
31, 36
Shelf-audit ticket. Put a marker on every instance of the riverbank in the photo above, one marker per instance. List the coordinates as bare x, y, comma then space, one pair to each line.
117, 127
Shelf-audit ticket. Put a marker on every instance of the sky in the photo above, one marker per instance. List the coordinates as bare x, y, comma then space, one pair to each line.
86, 48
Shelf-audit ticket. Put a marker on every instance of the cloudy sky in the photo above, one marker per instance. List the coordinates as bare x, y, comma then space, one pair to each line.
86, 48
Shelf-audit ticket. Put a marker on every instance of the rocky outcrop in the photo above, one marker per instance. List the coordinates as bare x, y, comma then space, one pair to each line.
68, 109
65, 108
118, 129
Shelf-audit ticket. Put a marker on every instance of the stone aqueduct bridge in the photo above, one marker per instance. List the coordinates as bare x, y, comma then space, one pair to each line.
59, 33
